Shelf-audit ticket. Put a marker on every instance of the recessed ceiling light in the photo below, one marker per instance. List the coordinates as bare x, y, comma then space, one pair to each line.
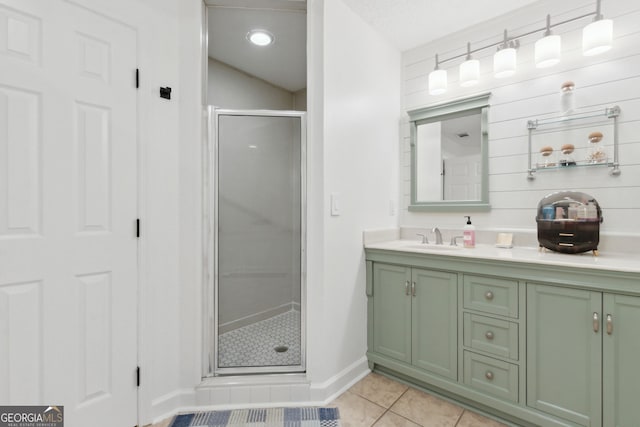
260, 37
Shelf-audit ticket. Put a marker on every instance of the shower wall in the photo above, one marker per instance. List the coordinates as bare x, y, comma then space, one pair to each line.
231, 88
259, 219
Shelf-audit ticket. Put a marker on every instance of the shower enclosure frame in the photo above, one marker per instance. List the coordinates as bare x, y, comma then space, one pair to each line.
210, 244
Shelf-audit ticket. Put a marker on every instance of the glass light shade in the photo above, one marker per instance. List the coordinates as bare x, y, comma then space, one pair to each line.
260, 37
597, 37
437, 82
548, 51
469, 73
504, 63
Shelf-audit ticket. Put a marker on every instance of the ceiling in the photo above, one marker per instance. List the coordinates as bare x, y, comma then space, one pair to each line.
282, 63
405, 23
411, 23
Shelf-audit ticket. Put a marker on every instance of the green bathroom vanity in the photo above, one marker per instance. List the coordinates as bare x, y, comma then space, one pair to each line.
536, 338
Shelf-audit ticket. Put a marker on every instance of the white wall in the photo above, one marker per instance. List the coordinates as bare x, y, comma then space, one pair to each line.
361, 98
300, 100
167, 129
353, 102
231, 88
601, 81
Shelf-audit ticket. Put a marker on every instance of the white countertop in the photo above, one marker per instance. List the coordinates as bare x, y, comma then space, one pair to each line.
604, 261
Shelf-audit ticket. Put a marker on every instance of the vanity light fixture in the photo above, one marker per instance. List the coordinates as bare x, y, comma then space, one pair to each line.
504, 60
437, 80
596, 38
260, 37
469, 70
548, 49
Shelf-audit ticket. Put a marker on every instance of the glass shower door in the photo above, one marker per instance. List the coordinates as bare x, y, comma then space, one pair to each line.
259, 234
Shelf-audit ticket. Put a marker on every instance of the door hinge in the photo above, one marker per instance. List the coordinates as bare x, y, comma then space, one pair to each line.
138, 228
137, 78
138, 376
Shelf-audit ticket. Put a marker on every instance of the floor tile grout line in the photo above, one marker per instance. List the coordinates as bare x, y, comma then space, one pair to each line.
391, 406
379, 418
460, 417
400, 415
377, 404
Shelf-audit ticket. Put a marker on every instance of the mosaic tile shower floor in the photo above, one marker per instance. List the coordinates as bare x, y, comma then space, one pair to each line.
255, 345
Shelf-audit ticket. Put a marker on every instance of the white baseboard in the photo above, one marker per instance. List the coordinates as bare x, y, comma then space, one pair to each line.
329, 390
260, 391
166, 406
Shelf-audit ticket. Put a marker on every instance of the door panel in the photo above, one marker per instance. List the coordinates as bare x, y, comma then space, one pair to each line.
392, 311
564, 354
434, 322
621, 352
68, 269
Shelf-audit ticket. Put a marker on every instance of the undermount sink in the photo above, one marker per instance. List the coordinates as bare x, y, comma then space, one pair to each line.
432, 247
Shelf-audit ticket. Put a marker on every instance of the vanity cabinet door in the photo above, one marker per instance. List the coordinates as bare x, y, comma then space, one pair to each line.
564, 353
621, 355
392, 311
435, 322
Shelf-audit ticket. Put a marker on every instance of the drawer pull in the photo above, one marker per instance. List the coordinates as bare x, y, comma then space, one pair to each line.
413, 289
596, 323
565, 234
566, 244
488, 335
489, 375
488, 295
609, 324
406, 288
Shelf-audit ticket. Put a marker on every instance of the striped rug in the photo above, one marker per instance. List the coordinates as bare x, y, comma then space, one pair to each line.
272, 417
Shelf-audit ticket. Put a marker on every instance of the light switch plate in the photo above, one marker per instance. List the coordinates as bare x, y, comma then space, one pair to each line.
335, 204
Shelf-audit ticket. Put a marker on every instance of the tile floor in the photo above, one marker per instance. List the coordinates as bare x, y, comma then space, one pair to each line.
382, 402
255, 344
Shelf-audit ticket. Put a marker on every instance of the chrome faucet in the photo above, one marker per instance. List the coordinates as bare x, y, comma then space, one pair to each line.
424, 238
454, 240
438, 235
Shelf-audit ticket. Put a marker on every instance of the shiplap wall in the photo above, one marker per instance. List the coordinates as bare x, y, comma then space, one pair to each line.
612, 78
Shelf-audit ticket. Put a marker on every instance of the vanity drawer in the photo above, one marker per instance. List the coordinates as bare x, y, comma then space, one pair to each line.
494, 336
491, 376
491, 295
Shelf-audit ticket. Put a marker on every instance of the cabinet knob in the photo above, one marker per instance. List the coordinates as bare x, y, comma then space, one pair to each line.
488, 335
488, 295
489, 375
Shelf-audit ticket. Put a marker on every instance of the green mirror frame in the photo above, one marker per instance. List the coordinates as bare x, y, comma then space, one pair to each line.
444, 111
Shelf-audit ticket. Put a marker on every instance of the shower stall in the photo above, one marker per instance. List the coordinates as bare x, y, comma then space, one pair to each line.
255, 242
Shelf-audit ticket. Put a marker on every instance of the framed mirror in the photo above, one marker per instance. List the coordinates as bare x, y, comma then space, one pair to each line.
449, 156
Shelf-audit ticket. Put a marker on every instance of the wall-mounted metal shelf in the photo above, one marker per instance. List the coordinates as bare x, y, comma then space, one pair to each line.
609, 113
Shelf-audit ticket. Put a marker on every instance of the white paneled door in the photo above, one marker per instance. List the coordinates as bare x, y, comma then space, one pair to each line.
68, 195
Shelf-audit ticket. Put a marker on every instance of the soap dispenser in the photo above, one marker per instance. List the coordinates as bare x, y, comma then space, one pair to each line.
469, 233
